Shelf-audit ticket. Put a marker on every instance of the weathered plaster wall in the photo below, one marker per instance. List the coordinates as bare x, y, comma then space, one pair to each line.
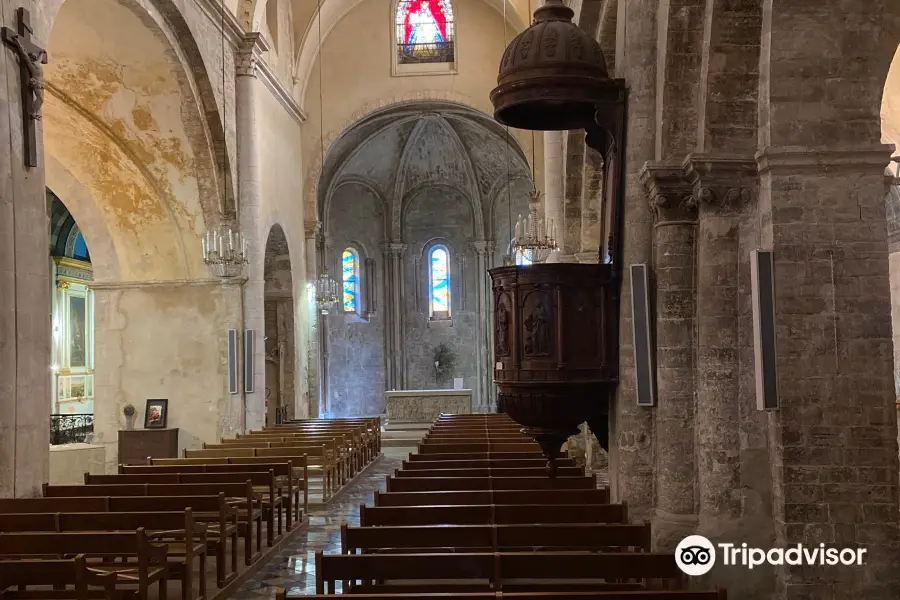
165, 341
355, 349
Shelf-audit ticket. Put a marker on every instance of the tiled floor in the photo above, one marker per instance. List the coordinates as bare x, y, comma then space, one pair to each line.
294, 567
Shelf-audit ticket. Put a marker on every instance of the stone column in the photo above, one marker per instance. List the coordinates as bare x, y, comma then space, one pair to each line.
25, 352
25, 349
249, 198
724, 188
483, 350
397, 356
631, 443
834, 460
675, 211
390, 382
311, 229
554, 182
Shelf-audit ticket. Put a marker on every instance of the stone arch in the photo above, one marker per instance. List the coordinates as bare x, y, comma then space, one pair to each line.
372, 109
362, 182
131, 115
86, 211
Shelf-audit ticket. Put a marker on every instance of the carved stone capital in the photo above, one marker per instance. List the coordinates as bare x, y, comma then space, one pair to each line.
480, 246
312, 228
722, 184
670, 194
248, 54
393, 248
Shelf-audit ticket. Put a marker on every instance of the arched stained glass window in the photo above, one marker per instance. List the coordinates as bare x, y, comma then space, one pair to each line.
424, 31
439, 282
80, 250
350, 276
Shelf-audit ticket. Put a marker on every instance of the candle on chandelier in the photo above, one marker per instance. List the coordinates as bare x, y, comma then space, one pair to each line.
230, 241
203, 243
518, 227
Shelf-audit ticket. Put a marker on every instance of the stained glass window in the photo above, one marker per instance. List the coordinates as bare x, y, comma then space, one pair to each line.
440, 282
350, 270
80, 251
523, 258
424, 31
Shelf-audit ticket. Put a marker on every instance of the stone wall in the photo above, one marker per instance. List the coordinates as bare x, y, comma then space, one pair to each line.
355, 351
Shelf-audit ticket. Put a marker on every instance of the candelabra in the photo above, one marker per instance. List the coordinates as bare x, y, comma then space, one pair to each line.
326, 292
224, 253
535, 239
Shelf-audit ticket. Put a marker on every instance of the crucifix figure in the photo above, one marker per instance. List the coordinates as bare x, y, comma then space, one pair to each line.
31, 57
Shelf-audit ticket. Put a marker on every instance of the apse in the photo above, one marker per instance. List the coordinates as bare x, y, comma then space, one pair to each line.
417, 202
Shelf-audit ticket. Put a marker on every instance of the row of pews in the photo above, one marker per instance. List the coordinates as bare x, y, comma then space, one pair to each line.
336, 450
182, 520
473, 515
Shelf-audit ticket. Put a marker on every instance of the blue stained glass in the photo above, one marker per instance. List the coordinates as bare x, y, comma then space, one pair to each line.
80, 251
350, 269
523, 258
440, 281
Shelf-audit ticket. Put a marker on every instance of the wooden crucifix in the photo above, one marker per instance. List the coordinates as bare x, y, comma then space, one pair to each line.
31, 57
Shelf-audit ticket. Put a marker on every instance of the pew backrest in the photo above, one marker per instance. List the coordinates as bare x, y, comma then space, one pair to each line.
487, 514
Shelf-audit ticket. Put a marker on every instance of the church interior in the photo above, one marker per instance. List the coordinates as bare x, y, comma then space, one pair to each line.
536, 299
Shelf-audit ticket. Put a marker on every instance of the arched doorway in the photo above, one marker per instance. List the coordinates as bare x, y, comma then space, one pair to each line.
280, 330
72, 326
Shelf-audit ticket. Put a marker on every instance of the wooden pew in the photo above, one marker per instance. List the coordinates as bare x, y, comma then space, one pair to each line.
220, 516
428, 484
146, 565
491, 472
185, 539
469, 497
409, 465
265, 483
246, 500
364, 436
488, 514
434, 456
319, 458
426, 448
281, 594
549, 571
324, 455
294, 471
595, 537
58, 572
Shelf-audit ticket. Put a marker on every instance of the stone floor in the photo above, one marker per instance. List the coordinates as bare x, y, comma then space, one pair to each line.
294, 567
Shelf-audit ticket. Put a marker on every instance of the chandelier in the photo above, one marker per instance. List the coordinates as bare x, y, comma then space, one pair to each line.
224, 253
535, 239
326, 292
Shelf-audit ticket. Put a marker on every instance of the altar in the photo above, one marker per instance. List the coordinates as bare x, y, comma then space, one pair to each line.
426, 405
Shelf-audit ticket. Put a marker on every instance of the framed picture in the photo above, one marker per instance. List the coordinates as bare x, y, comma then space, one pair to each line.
156, 414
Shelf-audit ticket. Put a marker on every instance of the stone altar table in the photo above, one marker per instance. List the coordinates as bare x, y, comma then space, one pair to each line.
426, 405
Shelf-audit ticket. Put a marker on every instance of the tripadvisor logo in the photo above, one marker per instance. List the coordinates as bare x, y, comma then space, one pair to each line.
695, 555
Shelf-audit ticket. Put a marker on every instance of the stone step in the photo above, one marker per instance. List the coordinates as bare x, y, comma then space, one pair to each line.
400, 443
407, 426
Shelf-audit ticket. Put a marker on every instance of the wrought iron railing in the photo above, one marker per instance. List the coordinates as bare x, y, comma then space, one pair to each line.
70, 429
437, 52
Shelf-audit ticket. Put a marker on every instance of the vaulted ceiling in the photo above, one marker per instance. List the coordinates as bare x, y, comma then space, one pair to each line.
403, 149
